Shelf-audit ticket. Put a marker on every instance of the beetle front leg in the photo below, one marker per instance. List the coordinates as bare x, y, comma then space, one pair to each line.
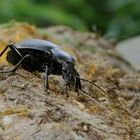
78, 83
64, 89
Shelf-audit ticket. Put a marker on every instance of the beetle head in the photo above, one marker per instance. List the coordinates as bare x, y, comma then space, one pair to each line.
68, 73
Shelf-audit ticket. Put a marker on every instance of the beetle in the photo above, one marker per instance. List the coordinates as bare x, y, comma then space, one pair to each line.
45, 56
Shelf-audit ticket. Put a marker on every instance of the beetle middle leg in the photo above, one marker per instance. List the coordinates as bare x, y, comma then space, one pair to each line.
46, 79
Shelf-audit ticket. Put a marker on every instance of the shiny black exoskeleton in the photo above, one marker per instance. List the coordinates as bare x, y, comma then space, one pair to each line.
44, 56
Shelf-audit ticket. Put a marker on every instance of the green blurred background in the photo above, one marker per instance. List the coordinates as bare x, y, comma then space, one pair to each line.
115, 19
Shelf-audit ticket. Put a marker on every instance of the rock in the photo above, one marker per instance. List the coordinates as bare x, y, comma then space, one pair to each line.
130, 51
27, 112
8, 121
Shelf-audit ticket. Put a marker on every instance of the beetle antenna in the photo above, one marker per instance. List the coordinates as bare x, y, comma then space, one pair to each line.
94, 85
87, 94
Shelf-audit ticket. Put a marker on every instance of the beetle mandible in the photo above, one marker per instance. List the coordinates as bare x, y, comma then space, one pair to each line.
44, 56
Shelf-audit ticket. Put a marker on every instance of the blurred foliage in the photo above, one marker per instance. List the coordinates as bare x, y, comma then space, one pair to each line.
118, 19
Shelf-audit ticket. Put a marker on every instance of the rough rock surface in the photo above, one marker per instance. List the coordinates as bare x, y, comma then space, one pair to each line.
27, 112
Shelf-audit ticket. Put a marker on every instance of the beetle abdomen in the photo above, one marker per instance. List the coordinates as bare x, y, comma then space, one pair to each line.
12, 58
36, 44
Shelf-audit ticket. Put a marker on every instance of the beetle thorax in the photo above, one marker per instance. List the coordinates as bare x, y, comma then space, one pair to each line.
60, 56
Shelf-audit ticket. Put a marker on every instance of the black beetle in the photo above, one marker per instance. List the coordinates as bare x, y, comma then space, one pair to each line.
44, 56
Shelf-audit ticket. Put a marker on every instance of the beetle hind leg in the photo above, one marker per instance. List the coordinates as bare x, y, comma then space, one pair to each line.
13, 48
15, 51
17, 65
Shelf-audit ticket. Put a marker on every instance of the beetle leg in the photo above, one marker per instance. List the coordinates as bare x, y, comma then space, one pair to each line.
77, 86
64, 89
13, 48
78, 83
46, 78
17, 65
4, 50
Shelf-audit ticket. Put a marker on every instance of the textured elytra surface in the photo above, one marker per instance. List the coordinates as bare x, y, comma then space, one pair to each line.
28, 112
